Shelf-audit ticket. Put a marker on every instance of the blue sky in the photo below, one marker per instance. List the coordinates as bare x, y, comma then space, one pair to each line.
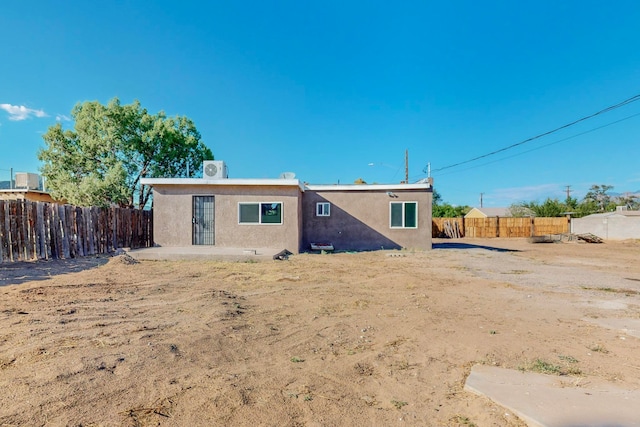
324, 89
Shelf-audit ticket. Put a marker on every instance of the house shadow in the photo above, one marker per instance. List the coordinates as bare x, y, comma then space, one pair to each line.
343, 231
457, 245
16, 273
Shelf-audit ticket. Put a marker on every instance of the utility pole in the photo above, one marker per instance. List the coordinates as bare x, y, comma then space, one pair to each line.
481, 194
568, 191
406, 166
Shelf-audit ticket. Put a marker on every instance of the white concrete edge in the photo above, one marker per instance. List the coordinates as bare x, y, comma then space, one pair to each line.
368, 187
223, 182
283, 182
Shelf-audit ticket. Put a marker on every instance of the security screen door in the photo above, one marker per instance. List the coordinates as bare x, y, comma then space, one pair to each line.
204, 229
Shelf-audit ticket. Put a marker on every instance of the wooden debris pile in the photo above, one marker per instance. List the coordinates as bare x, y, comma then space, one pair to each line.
589, 238
452, 230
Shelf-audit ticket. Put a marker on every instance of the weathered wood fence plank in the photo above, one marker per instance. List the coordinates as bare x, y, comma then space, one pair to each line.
503, 227
38, 230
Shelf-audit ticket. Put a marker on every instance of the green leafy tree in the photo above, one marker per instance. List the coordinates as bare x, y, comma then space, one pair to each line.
631, 201
520, 210
586, 207
598, 194
548, 209
101, 161
571, 203
446, 210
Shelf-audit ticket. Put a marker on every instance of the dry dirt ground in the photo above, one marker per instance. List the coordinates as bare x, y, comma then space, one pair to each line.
379, 338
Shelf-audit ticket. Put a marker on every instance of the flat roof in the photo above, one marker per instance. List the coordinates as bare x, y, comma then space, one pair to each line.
22, 190
224, 181
283, 182
368, 187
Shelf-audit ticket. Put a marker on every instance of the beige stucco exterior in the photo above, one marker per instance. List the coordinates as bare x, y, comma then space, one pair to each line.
359, 218
173, 214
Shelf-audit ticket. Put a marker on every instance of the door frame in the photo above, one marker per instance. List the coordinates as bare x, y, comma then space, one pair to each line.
201, 220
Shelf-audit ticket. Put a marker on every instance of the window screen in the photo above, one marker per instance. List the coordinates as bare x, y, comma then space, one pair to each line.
249, 213
323, 209
271, 213
404, 215
260, 213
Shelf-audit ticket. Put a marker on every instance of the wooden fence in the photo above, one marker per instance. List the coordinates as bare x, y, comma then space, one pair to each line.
502, 227
37, 230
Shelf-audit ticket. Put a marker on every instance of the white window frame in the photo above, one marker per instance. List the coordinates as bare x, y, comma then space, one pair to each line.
323, 209
403, 226
260, 213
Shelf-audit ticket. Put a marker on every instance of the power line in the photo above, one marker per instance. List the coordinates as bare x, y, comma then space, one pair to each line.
545, 145
536, 148
606, 110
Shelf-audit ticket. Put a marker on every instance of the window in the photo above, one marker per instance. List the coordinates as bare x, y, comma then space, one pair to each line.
404, 214
260, 213
323, 209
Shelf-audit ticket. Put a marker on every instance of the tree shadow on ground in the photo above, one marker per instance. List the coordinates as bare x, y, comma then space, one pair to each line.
17, 273
454, 245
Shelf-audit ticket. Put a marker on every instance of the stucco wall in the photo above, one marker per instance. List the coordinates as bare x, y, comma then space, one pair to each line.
172, 205
611, 227
360, 220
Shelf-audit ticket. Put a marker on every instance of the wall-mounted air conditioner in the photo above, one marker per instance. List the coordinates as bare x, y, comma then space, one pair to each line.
214, 169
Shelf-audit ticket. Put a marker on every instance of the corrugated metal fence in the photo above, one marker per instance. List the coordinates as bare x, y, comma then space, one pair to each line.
37, 230
502, 227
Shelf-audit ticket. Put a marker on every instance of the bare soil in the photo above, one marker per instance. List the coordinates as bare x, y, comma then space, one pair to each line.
380, 338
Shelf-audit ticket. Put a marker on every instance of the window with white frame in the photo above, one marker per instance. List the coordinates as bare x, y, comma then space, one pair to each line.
403, 214
260, 213
323, 209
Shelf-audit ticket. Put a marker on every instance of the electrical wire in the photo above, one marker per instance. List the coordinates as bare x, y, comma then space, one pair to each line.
544, 146
606, 110
533, 149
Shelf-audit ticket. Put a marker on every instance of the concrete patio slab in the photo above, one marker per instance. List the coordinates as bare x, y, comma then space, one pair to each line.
204, 253
551, 401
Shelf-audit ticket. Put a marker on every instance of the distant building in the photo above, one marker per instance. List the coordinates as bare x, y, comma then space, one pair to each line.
621, 224
25, 194
488, 213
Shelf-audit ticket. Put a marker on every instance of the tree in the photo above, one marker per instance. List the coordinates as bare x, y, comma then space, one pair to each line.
598, 194
445, 210
101, 161
521, 210
548, 209
631, 201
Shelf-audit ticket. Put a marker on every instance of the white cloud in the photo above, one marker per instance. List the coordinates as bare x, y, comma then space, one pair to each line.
20, 112
62, 118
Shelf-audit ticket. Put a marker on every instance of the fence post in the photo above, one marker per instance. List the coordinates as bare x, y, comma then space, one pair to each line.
533, 227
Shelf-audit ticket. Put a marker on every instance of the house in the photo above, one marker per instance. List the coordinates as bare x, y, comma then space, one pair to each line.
621, 224
26, 194
286, 213
488, 213
27, 186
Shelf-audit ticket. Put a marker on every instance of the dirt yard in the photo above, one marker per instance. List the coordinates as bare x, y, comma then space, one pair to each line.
381, 338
